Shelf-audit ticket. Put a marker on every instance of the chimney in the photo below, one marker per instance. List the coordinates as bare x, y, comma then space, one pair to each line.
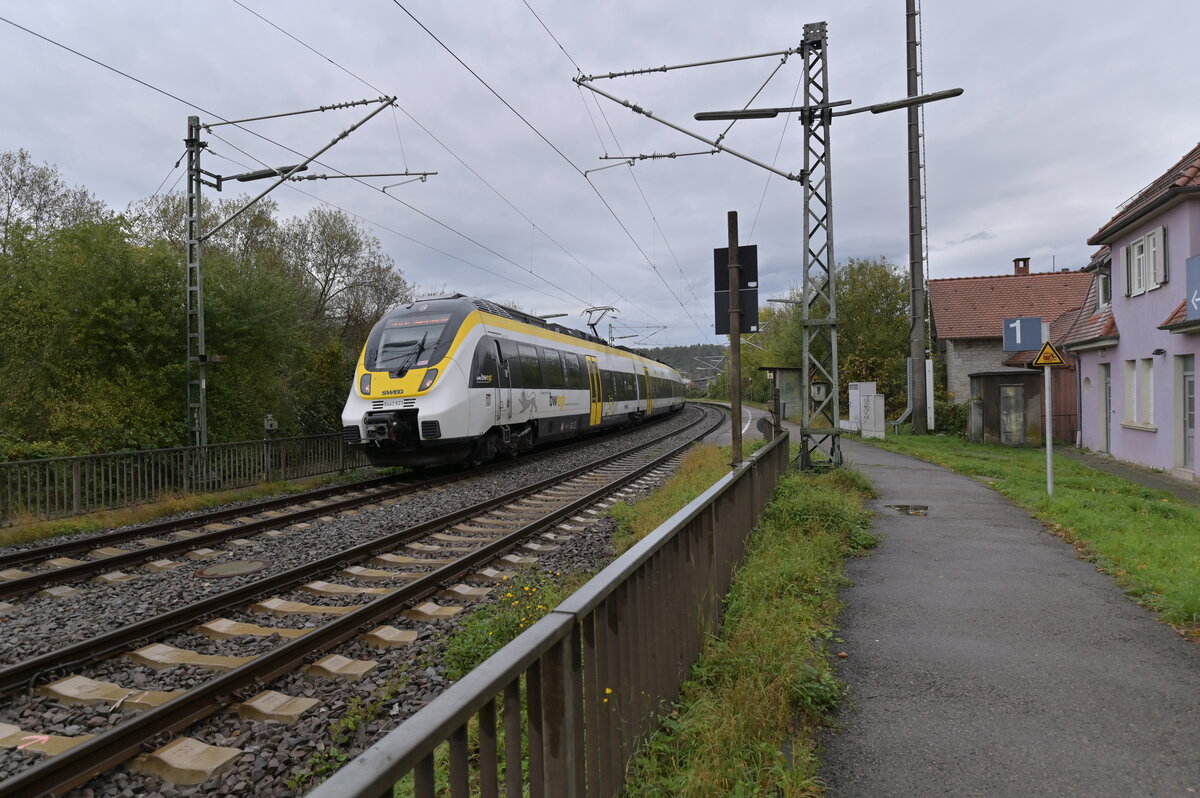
1020, 266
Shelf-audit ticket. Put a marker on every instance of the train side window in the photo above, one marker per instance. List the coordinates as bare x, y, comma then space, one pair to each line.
531, 367
553, 367
512, 362
485, 370
574, 370
609, 379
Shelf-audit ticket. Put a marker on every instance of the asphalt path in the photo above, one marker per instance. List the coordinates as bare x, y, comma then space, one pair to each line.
723, 435
985, 659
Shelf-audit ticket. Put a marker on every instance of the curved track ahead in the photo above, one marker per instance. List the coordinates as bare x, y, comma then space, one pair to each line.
483, 533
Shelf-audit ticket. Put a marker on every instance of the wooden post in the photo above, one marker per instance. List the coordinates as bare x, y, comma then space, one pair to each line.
735, 341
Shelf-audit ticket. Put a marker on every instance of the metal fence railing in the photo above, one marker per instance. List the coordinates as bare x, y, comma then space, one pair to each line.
33, 490
561, 709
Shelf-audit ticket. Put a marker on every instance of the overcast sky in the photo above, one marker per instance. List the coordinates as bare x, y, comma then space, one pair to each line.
1070, 108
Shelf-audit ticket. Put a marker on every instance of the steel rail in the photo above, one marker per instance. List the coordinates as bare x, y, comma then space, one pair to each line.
77, 765
17, 676
25, 556
66, 548
74, 573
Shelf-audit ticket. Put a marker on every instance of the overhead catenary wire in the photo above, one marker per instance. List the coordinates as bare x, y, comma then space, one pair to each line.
645, 199
778, 148
653, 218
551, 144
215, 115
629, 162
617, 143
448, 149
407, 237
418, 211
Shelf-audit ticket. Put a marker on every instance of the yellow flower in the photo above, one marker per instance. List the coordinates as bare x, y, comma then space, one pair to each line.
608, 691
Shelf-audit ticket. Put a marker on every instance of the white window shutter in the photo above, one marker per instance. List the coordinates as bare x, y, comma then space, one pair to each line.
1158, 237
1149, 392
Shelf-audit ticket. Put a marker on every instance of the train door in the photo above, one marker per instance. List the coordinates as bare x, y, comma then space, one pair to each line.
593, 368
649, 383
503, 387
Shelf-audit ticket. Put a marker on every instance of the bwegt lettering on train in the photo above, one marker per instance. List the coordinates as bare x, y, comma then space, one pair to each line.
457, 379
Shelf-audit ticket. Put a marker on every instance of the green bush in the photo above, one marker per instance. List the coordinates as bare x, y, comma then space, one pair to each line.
951, 418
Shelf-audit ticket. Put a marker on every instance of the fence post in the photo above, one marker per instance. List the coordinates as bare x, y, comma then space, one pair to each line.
75, 486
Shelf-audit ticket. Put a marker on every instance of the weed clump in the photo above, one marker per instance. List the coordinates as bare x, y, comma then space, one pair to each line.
765, 684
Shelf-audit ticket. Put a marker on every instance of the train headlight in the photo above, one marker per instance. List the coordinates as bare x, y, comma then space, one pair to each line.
427, 383
364, 384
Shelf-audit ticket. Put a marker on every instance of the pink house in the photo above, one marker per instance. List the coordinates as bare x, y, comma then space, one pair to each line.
1135, 343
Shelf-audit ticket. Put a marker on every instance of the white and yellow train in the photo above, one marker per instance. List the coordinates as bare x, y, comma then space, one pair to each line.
457, 379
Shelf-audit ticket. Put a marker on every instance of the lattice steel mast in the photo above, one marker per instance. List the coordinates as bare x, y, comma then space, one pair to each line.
197, 358
820, 409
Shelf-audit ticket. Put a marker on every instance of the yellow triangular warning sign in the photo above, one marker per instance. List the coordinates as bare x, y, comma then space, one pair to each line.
1049, 356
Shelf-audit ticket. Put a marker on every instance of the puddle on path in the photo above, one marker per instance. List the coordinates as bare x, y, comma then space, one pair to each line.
910, 509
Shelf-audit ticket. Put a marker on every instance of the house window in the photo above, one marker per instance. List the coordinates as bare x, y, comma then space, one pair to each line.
1146, 263
1139, 392
1103, 290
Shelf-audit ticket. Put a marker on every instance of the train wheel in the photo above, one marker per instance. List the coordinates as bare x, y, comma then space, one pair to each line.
484, 451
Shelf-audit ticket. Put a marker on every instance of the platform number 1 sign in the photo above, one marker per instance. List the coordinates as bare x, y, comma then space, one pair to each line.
1023, 334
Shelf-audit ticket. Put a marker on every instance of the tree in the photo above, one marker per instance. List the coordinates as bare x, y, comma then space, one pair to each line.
36, 199
93, 321
872, 329
88, 337
873, 324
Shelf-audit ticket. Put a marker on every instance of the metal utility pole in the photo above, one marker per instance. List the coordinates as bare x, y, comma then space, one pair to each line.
820, 409
735, 343
916, 218
197, 358
820, 399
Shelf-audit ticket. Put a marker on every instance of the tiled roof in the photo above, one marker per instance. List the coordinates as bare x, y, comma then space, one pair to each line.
1178, 321
1098, 259
1059, 330
1091, 327
1178, 316
1183, 177
976, 307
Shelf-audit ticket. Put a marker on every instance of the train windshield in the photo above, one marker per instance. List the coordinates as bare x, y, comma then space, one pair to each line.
407, 342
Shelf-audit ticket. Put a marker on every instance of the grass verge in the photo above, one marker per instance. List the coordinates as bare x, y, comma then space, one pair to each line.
1146, 539
765, 684
526, 597
32, 531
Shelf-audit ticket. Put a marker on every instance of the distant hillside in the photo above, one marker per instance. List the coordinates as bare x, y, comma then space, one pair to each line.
683, 358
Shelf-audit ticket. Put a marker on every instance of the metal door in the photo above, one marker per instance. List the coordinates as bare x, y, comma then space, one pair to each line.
503, 387
593, 368
1106, 422
649, 391
1012, 415
1189, 413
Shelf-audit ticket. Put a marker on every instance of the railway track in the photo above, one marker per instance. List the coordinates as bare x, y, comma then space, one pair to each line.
58, 562
458, 556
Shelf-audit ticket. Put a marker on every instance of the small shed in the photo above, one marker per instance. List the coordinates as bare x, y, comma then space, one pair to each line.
1006, 408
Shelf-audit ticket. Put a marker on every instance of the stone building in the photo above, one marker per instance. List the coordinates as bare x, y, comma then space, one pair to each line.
968, 316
